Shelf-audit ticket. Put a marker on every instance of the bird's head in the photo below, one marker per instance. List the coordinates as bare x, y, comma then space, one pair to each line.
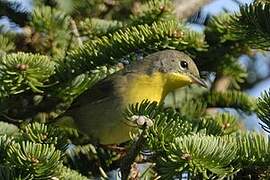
175, 67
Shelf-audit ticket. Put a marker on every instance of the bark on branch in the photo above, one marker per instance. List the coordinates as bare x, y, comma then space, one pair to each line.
185, 9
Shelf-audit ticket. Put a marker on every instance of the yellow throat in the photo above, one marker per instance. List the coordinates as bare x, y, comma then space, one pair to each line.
154, 87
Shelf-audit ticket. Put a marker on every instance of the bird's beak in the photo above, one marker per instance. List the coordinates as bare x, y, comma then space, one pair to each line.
199, 81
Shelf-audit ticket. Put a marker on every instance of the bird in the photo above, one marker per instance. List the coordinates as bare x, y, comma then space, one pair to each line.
98, 112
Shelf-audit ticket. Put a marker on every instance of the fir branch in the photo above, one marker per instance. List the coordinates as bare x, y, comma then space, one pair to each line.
68, 91
98, 27
153, 11
253, 149
250, 26
230, 99
236, 73
196, 105
87, 8
198, 154
44, 134
14, 11
162, 35
5, 143
88, 151
254, 25
8, 129
20, 72
168, 124
40, 160
192, 108
46, 19
8, 173
188, 141
69, 132
253, 154
263, 110
219, 124
229, 123
223, 50
230, 74
6, 44
262, 1
96, 160
51, 32
69, 174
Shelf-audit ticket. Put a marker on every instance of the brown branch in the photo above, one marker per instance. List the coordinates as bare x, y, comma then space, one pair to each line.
220, 84
75, 32
184, 9
129, 159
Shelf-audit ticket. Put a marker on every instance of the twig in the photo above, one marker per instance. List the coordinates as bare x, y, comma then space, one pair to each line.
132, 154
221, 84
75, 32
11, 120
69, 45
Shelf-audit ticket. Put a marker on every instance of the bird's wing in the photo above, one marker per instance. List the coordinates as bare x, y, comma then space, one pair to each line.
104, 90
100, 92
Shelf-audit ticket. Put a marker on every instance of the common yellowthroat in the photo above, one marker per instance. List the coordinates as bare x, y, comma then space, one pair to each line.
98, 111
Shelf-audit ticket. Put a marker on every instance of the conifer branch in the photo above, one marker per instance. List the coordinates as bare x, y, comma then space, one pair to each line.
263, 110
230, 99
14, 11
200, 154
21, 72
185, 140
161, 35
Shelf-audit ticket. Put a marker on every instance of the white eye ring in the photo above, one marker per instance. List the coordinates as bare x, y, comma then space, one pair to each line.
183, 65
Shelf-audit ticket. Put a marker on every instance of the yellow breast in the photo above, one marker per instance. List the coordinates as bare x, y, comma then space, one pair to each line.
153, 87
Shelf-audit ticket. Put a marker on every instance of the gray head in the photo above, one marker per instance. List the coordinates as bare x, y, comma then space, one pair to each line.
173, 62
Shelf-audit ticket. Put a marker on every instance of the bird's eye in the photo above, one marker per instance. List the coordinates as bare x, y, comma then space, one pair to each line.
183, 65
